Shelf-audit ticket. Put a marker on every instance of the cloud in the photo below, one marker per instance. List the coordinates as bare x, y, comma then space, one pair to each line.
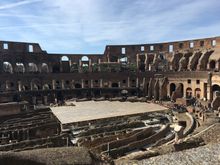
16, 4
76, 26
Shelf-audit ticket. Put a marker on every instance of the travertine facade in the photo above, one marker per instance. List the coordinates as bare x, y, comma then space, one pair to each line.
160, 71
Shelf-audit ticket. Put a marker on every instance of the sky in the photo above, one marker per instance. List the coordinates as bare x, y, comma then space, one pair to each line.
87, 26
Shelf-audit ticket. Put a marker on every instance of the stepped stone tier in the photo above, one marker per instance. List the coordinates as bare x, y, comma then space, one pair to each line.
158, 71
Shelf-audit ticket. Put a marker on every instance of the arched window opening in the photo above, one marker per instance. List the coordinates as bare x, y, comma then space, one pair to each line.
44, 68
212, 64
78, 85
64, 58
7, 67
198, 93
172, 88
19, 68
32, 67
188, 93
84, 58
115, 85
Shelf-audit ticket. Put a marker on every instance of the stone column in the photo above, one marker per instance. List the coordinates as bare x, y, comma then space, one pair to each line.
53, 84
101, 84
128, 82
137, 61
19, 86
92, 84
90, 65
80, 66
137, 82
119, 84
82, 83
209, 87
62, 84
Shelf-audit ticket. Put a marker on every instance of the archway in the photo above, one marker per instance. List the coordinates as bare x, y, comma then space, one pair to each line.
44, 68
78, 85
84, 58
65, 64
56, 68
188, 92
212, 64
64, 58
198, 93
32, 67
7, 67
47, 87
115, 85
215, 88
172, 88
19, 68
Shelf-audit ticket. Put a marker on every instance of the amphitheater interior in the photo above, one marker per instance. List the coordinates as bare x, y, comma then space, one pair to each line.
131, 104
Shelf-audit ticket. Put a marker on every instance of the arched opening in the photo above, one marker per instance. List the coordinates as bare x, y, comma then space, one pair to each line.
215, 88
78, 85
212, 64
84, 59
85, 63
19, 68
47, 87
181, 89
7, 67
115, 85
64, 58
35, 84
32, 67
25, 88
198, 93
57, 85
10, 86
172, 88
44, 68
188, 93
56, 68
65, 64
74, 68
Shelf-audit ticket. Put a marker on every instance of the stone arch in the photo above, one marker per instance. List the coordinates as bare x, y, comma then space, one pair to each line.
19, 68
215, 88
57, 84
198, 93
65, 58
212, 64
10, 86
44, 68
35, 84
85, 58
47, 87
78, 85
65, 64
32, 67
7, 67
188, 92
172, 88
56, 68
115, 85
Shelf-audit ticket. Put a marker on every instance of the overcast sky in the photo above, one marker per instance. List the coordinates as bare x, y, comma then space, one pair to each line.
86, 26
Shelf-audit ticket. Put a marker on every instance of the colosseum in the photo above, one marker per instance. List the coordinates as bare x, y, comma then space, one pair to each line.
131, 104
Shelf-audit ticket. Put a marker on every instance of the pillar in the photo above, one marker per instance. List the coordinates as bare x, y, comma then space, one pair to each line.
91, 84
19, 86
62, 84
82, 83
128, 82
137, 82
101, 84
